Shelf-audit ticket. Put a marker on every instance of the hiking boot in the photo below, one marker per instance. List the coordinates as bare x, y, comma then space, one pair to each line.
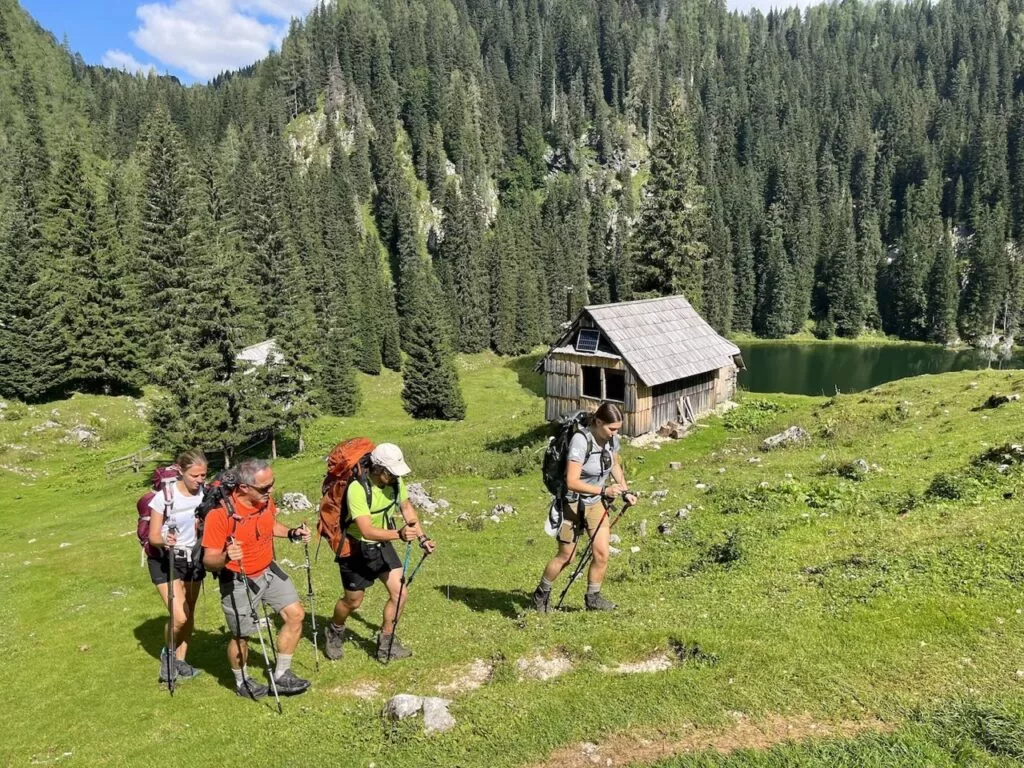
186, 671
334, 638
595, 601
386, 643
290, 684
163, 667
250, 689
540, 600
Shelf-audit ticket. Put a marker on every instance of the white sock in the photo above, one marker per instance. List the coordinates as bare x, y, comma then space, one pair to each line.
592, 588
239, 677
284, 663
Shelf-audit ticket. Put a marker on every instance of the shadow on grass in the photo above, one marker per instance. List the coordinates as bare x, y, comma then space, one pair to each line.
529, 379
509, 604
533, 438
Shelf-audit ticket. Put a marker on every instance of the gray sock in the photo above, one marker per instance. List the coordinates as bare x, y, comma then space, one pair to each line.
284, 663
592, 588
545, 585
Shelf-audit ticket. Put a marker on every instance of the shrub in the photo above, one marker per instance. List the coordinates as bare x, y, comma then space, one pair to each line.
752, 415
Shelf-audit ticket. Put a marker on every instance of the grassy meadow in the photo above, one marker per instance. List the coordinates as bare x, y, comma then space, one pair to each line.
798, 610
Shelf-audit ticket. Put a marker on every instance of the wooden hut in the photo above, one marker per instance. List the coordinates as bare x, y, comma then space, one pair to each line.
657, 357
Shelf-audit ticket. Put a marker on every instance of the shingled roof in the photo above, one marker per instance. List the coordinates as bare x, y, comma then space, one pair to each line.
660, 339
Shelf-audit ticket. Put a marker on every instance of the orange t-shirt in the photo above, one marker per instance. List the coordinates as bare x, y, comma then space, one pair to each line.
252, 528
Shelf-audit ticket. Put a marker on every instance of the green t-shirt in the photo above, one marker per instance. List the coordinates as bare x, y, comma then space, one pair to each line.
382, 508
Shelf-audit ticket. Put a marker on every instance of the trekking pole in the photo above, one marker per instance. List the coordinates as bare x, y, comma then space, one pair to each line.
312, 608
398, 606
415, 570
588, 552
167, 486
259, 630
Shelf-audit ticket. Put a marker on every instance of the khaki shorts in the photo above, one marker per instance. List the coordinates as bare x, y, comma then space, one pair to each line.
272, 587
573, 520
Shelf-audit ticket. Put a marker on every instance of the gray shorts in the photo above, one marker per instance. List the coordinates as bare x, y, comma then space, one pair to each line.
272, 587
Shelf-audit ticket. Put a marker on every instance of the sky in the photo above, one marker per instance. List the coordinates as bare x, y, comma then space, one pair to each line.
192, 39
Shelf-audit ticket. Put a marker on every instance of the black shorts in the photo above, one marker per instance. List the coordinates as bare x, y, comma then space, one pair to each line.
368, 562
183, 569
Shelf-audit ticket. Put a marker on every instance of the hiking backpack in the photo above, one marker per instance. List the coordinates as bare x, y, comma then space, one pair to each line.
348, 461
557, 452
169, 472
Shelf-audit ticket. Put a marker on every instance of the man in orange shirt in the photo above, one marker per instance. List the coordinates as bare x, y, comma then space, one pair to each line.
238, 542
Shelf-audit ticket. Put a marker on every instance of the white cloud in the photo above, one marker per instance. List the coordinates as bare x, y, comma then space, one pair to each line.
116, 59
207, 37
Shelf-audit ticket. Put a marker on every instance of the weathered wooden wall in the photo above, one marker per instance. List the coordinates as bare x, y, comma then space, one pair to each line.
701, 390
644, 409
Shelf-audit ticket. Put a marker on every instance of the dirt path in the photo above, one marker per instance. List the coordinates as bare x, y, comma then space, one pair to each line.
639, 749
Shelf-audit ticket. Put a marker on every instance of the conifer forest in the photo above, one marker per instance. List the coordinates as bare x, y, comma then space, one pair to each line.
410, 179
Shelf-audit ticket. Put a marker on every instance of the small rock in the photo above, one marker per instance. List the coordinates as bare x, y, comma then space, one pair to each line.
701, 486
402, 706
494, 519
790, 436
682, 513
634, 550
754, 460
296, 502
721, 470
84, 648
64, 544
675, 465
615, 539
664, 529
420, 499
643, 528
611, 551
764, 484
436, 717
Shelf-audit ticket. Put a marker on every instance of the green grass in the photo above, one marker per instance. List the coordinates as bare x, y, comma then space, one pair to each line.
811, 590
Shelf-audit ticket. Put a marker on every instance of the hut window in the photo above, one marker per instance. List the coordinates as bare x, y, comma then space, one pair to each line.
591, 382
614, 385
604, 383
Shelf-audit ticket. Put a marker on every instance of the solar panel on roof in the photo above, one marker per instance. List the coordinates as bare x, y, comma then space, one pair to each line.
587, 341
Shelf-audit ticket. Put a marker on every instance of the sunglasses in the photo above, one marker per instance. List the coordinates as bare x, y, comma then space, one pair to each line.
263, 490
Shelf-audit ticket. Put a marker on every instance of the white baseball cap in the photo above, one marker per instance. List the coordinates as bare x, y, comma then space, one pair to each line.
389, 456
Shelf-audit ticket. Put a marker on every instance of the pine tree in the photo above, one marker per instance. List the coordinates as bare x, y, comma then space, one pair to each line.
339, 386
430, 383
670, 243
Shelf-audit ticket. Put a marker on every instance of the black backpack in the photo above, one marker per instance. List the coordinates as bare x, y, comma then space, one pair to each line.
557, 452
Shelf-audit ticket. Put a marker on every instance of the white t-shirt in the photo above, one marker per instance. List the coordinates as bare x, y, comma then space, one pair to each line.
183, 512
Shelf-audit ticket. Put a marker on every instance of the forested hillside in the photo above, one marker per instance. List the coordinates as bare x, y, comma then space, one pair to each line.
430, 176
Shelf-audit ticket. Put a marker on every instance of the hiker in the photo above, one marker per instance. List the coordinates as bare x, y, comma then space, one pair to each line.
178, 530
238, 543
372, 556
592, 457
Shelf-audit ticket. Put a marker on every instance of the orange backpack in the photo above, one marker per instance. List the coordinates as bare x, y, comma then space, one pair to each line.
348, 461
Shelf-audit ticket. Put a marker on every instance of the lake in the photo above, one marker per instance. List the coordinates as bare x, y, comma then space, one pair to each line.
819, 368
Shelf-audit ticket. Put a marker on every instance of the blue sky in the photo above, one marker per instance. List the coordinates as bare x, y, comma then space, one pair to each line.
193, 39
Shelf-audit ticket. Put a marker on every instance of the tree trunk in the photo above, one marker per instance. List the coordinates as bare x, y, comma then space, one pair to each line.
302, 443
273, 445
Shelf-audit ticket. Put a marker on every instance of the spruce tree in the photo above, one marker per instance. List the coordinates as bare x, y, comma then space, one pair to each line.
430, 383
670, 242
462, 253
772, 312
942, 294
744, 279
845, 298
166, 256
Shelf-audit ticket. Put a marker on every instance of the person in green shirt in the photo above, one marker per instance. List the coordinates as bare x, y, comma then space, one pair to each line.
377, 521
